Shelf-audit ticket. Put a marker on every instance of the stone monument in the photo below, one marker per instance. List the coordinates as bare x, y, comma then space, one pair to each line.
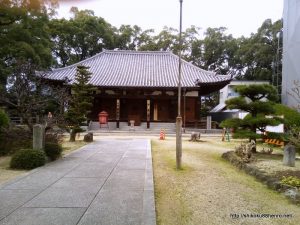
289, 155
38, 137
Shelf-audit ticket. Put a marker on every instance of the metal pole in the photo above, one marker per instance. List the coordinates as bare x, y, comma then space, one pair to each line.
179, 118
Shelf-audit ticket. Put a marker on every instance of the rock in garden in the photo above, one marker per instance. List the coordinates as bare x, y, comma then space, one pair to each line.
291, 193
289, 155
195, 136
88, 137
244, 151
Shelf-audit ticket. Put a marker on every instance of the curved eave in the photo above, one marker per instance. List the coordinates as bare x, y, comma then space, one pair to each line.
202, 88
207, 88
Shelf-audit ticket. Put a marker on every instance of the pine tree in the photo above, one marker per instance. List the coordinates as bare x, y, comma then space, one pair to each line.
81, 101
258, 101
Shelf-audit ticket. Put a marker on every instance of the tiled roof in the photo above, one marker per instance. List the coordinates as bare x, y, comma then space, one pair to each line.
139, 69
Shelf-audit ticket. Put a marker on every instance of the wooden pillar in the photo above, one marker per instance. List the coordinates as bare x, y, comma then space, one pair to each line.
118, 113
184, 108
198, 107
148, 113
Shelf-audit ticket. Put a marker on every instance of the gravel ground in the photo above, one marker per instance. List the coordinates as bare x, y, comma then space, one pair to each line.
274, 165
209, 190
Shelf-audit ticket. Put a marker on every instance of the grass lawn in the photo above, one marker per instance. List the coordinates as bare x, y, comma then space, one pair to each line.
209, 189
7, 174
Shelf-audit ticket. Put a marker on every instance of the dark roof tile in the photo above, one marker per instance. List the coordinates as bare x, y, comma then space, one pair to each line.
139, 69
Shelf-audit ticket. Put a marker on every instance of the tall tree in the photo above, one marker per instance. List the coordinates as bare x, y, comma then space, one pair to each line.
215, 52
25, 48
83, 36
23, 35
260, 55
4, 120
134, 38
81, 101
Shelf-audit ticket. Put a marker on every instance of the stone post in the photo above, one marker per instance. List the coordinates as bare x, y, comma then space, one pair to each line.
208, 122
38, 137
289, 155
131, 125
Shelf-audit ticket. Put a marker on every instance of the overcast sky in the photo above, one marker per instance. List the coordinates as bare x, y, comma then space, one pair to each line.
241, 17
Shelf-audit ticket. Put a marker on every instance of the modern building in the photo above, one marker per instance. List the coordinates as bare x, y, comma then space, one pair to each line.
143, 86
291, 54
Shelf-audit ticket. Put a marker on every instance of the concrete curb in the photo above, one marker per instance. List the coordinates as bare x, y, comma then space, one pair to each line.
149, 215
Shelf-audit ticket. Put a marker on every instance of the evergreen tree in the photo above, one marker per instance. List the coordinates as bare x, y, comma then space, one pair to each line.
81, 101
4, 120
258, 101
25, 49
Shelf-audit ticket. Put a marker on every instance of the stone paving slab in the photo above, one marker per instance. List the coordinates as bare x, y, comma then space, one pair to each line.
68, 192
108, 182
10, 200
125, 180
44, 216
105, 157
92, 169
38, 180
132, 164
115, 207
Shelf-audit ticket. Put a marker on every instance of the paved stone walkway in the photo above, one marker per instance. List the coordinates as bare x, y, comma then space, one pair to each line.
106, 182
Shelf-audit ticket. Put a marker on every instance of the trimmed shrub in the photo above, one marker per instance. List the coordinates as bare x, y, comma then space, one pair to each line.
291, 116
53, 137
28, 159
53, 150
292, 181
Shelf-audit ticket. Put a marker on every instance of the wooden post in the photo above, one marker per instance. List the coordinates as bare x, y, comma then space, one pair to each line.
198, 107
118, 113
148, 113
178, 142
184, 108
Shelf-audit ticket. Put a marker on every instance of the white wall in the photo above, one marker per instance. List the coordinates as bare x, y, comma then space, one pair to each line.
291, 54
227, 92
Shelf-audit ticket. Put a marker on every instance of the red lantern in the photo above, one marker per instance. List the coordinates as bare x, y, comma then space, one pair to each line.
103, 118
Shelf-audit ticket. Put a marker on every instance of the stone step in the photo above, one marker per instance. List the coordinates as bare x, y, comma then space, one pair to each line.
124, 126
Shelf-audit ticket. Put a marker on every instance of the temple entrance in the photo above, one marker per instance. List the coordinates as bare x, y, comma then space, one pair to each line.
133, 109
128, 108
161, 110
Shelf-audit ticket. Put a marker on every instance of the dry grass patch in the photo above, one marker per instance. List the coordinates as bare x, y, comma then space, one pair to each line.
6, 173
208, 189
69, 147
